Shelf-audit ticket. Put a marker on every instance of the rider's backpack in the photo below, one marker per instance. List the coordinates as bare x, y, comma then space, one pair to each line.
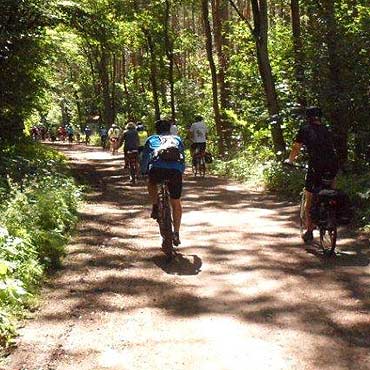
169, 149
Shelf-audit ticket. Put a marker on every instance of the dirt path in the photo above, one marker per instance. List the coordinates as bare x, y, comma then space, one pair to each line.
245, 295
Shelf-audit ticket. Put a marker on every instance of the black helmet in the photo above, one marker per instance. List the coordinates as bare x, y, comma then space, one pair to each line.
313, 112
162, 126
198, 118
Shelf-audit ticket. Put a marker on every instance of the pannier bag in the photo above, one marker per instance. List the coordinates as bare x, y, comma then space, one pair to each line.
169, 150
208, 157
321, 203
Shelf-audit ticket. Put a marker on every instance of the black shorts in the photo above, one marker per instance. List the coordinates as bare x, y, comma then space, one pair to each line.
313, 178
174, 177
200, 146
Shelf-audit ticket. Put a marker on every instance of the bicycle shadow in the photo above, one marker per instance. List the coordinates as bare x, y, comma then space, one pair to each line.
180, 265
356, 256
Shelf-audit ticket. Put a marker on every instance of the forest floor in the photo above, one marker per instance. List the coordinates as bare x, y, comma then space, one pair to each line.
244, 294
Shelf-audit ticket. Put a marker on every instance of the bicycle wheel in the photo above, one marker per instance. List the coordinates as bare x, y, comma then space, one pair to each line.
328, 240
194, 166
202, 167
132, 173
302, 214
165, 221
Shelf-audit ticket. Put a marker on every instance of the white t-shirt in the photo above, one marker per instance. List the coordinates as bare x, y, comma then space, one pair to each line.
199, 132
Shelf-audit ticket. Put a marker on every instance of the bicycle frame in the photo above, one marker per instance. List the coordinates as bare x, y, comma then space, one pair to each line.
165, 219
199, 163
132, 158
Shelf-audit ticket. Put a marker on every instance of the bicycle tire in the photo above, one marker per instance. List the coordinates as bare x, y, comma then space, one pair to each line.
194, 166
328, 240
302, 214
132, 174
165, 221
202, 167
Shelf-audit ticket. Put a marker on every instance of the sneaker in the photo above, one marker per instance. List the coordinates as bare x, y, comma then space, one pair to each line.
154, 213
176, 239
308, 236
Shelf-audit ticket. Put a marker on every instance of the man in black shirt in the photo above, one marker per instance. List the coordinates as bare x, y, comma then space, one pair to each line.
322, 159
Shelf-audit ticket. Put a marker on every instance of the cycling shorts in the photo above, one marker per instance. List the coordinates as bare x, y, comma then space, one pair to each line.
174, 177
313, 178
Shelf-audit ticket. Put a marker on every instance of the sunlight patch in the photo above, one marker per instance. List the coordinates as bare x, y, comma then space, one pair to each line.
111, 359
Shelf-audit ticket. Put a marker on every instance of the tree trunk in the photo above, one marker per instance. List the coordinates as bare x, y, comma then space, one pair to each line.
298, 53
259, 8
169, 53
104, 78
153, 75
216, 109
339, 104
259, 31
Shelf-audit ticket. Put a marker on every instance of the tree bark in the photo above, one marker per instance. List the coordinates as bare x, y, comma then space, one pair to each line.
259, 9
153, 74
298, 52
169, 53
339, 107
216, 109
104, 79
259, 31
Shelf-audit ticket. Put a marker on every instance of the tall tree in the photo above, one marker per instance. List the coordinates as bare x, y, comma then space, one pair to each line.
298, 52
260, 33
212, 66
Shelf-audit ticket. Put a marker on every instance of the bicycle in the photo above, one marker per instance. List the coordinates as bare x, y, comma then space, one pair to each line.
323, 212
199, 163
165, 220
132, 161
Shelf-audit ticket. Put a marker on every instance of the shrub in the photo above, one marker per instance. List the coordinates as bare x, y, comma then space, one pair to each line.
38, 210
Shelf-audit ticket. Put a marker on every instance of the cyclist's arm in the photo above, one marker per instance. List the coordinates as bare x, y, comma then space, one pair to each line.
296, 148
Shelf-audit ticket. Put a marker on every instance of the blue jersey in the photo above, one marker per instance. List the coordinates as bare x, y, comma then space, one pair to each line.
150, 161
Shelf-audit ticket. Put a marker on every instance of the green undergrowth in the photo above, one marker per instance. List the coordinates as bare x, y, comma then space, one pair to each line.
264, 172
243, 167
38, 212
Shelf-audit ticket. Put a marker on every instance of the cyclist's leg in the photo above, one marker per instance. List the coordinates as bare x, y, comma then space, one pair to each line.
308, 204
153, 179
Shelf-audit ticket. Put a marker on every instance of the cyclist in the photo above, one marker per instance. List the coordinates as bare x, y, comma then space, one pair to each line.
87, 132
198, 135
103, 136
70, 133
130, 140
159, 169
143, 135
322, 158
113, 135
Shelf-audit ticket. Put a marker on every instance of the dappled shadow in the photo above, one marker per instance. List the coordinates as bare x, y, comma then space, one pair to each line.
242, 257
180, 265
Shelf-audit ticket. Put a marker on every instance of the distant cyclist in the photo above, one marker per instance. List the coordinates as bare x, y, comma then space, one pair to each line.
130, 141
87, 132
143, 135
103, 136
70, 133
198, 135
159, 169
318, 141
114, 136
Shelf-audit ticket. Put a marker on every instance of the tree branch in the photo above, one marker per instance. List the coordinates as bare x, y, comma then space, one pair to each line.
242, 16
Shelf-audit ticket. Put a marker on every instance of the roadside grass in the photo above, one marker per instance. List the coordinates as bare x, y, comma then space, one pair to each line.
38, 212
287, 183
